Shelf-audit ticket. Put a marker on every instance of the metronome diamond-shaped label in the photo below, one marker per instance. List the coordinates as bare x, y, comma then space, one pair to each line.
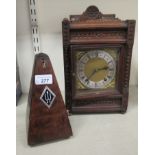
47, 97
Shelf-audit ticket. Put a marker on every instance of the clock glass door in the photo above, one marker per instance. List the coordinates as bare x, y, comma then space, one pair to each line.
95, 70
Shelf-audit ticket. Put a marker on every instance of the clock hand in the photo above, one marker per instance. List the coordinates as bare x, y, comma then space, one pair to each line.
96, 70
103, 68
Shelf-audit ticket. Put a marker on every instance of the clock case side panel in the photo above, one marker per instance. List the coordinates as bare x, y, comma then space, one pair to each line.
127, 60
67, 62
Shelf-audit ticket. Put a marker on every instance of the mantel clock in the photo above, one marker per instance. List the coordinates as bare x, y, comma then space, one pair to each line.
97, 52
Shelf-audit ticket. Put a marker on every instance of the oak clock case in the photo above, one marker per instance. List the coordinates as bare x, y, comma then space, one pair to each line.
97, 52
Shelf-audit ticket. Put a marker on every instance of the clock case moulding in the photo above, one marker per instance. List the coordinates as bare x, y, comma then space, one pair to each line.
94, 30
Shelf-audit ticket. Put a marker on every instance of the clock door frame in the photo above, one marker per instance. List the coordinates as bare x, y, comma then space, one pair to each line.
115, 92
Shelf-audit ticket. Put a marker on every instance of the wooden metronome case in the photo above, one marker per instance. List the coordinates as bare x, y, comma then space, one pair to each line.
46, 122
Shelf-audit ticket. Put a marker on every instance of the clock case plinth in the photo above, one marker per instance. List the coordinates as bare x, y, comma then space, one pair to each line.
94, 30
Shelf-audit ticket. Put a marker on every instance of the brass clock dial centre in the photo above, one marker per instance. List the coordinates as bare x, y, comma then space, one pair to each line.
96, 69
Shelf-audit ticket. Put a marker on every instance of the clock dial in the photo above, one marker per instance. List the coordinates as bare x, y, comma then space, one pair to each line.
96, 69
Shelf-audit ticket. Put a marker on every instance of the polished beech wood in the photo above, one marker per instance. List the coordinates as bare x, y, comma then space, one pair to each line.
94, 30
45, 124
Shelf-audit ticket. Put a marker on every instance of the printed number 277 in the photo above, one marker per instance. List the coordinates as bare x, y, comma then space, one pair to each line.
44, 80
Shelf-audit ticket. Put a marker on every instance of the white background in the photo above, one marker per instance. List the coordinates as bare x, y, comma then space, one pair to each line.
50, 15
146, 84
